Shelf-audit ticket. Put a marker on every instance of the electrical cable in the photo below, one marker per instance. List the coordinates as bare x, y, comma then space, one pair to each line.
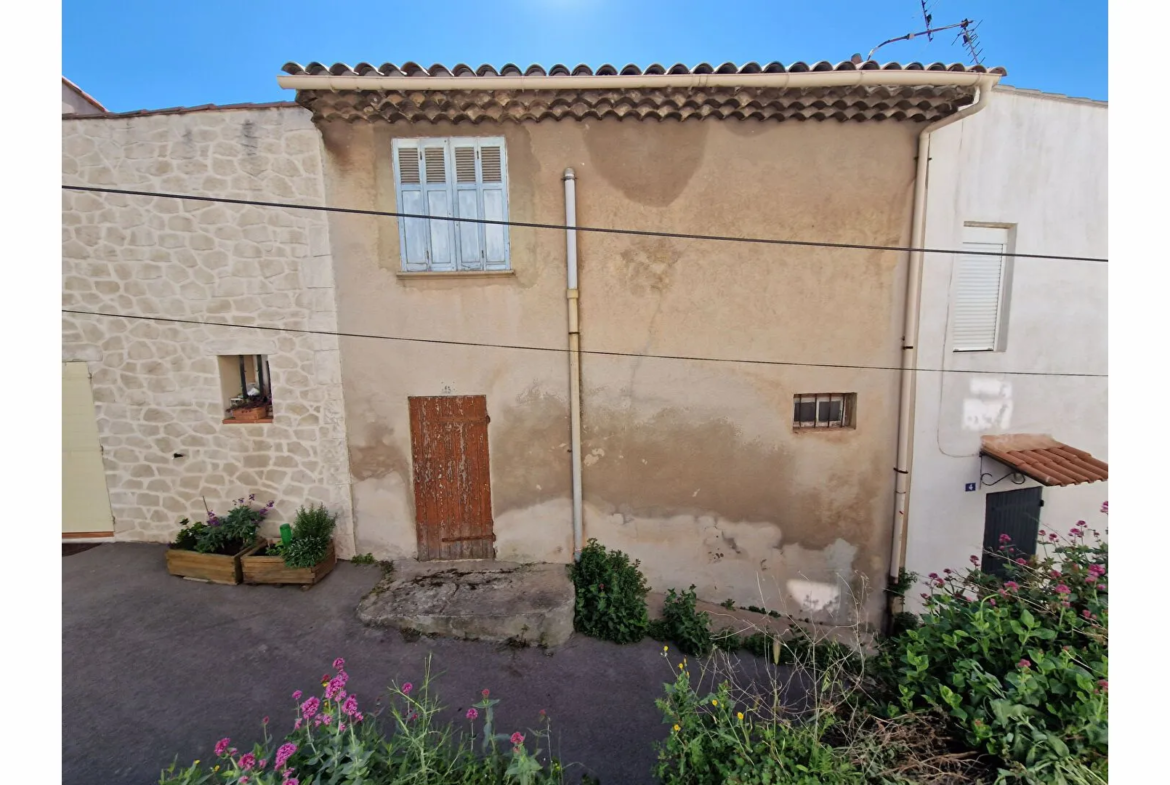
562, 227
599, 352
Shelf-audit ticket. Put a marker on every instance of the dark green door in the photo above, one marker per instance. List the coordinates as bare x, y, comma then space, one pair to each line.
1016, 514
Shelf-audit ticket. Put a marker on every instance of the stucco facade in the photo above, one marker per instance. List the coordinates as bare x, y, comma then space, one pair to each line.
692, 467
1037, 164
157, 385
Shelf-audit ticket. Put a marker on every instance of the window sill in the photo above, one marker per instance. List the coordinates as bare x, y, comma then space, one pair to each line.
457, 274
823, 428
261, 421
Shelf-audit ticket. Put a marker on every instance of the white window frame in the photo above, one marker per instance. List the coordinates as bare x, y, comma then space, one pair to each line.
983, 237
477, 247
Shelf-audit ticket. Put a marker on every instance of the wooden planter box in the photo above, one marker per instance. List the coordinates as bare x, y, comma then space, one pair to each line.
271, 569
212, 567
253, 414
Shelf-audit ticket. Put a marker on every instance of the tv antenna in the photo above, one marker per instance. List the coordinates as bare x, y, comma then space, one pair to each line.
966, 33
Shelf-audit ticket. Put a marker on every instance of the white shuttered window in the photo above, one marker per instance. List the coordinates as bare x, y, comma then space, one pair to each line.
979, 308
452, 178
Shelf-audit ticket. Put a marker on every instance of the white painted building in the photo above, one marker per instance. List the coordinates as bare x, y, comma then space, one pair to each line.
1028, 173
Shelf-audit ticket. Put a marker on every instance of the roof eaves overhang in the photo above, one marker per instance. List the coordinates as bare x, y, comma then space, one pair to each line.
846, 91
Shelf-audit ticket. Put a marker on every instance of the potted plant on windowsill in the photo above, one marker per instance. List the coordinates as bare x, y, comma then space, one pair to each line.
253, 406
211, 551
303, 555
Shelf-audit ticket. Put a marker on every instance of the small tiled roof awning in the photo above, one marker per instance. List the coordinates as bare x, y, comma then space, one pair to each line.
1044, 459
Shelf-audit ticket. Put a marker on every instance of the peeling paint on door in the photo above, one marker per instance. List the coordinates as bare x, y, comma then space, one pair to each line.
452, 486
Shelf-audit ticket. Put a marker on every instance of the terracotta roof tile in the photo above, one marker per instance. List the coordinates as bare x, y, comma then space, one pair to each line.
1044, 459
570, 102
561, 69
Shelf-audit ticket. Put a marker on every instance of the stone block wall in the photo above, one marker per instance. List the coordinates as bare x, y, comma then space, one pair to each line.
156, 384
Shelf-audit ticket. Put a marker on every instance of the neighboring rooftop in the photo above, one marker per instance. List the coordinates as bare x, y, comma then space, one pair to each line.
594, 97
76, 101
1025, 91
188, 109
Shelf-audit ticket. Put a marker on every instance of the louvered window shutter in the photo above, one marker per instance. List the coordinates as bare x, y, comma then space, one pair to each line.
979, 291
494, 197
458, 178
412, 231
481, 193
467, 203
436, 163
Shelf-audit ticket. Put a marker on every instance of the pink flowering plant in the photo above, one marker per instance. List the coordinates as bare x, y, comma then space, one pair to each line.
341, 740
1019, 663
479, 754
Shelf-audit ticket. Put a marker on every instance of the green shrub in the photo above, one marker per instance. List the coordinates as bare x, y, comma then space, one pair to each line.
611, 595
312, 530
363, 558
727, 640
688, 628
658, 631
817, 655
713, 741
758, 643
1019, 665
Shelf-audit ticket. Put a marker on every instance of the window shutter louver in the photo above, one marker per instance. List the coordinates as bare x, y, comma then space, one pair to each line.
465, 165
492, 168
979, 290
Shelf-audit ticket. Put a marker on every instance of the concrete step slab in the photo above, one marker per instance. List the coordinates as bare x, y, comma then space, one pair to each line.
482, 600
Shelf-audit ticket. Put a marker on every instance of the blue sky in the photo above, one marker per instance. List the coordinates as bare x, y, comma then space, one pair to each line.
150, 54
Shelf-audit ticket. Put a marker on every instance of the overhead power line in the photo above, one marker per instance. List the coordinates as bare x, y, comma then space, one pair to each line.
560, 350
562, 227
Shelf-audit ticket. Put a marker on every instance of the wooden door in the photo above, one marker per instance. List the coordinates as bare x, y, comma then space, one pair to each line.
452, 487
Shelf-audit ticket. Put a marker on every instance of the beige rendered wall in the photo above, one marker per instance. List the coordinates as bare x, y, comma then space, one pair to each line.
692, 467
156, 386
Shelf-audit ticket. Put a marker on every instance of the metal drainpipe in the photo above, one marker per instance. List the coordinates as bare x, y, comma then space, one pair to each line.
571, 294
906, 396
